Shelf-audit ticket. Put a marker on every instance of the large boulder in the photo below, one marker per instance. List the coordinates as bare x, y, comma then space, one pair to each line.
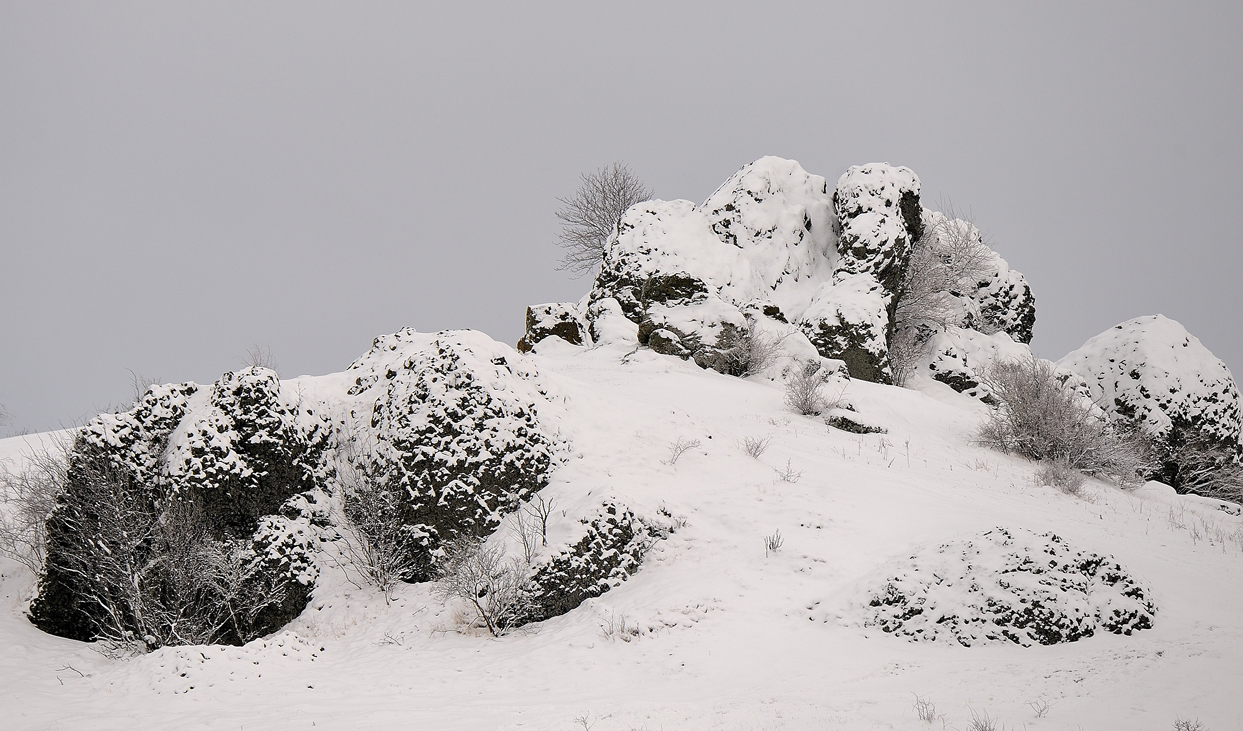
879, 217
454, 423
781, 218
1151, 373
184, 518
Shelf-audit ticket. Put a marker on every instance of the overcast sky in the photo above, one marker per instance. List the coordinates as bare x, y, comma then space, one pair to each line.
179, 182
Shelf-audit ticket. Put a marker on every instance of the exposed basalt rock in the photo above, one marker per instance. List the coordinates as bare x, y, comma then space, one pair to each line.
611, 550
1151, 373
180, 473
1005, 303
879, 217
555, 319
849, 421
1008, 586
452, 420
847, 321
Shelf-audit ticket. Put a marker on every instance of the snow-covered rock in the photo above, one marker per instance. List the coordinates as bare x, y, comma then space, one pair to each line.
782, 219
1007, 585
238, 453
1154, 373
453, 419
554, 319
848, 320
879, 218
959, 358
1004, 302
610, 551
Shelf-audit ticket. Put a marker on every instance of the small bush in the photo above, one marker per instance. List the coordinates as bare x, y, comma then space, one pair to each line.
773, 543
1039, 417
680, 447
1183, 724
804, 391
498, 590
379, 543
1061, 474
755, 446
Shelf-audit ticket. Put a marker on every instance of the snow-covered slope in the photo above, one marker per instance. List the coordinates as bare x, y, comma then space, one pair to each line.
713, 632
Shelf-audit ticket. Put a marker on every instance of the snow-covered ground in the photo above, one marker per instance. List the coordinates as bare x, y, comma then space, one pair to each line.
714, 632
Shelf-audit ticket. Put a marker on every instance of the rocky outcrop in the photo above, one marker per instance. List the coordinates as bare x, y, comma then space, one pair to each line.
1151, 373
182, 519
610, 551
847, 321
453, 421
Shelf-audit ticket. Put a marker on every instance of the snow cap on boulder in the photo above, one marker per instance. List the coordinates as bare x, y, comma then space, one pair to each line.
1151, 371
782, 219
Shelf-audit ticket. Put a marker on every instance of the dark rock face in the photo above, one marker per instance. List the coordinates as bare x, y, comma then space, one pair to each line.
556, 319
847, 321
1009, 586
1006, 304
455, 427
611, 551
168, 503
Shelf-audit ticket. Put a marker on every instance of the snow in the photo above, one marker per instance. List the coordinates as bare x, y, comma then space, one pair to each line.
711, 632
1151, 369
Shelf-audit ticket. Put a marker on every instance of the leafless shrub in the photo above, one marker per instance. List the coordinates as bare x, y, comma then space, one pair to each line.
1183, 724
773, 543
804, 391
617, 628
378, 542
1061, 474
28, 495
498, 590
260, 356
1040, 418
763, 348
948, 260
540, 509
1210, 469
924, 708
789, 474
154, 577
755, 446
589, 216
680, 447
140, 382
527, 531
1040, 707
982, 722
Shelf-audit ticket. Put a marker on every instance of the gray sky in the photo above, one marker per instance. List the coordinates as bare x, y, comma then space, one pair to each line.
179, 182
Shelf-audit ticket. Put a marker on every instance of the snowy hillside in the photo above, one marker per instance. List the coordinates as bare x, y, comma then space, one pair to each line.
713, 631
738, 485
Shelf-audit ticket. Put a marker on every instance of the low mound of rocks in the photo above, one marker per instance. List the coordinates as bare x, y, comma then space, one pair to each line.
1007, 586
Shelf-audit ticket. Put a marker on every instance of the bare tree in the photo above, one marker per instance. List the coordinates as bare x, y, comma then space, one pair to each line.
589, 216
948, 261
379, 542
498, 590
29, 494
